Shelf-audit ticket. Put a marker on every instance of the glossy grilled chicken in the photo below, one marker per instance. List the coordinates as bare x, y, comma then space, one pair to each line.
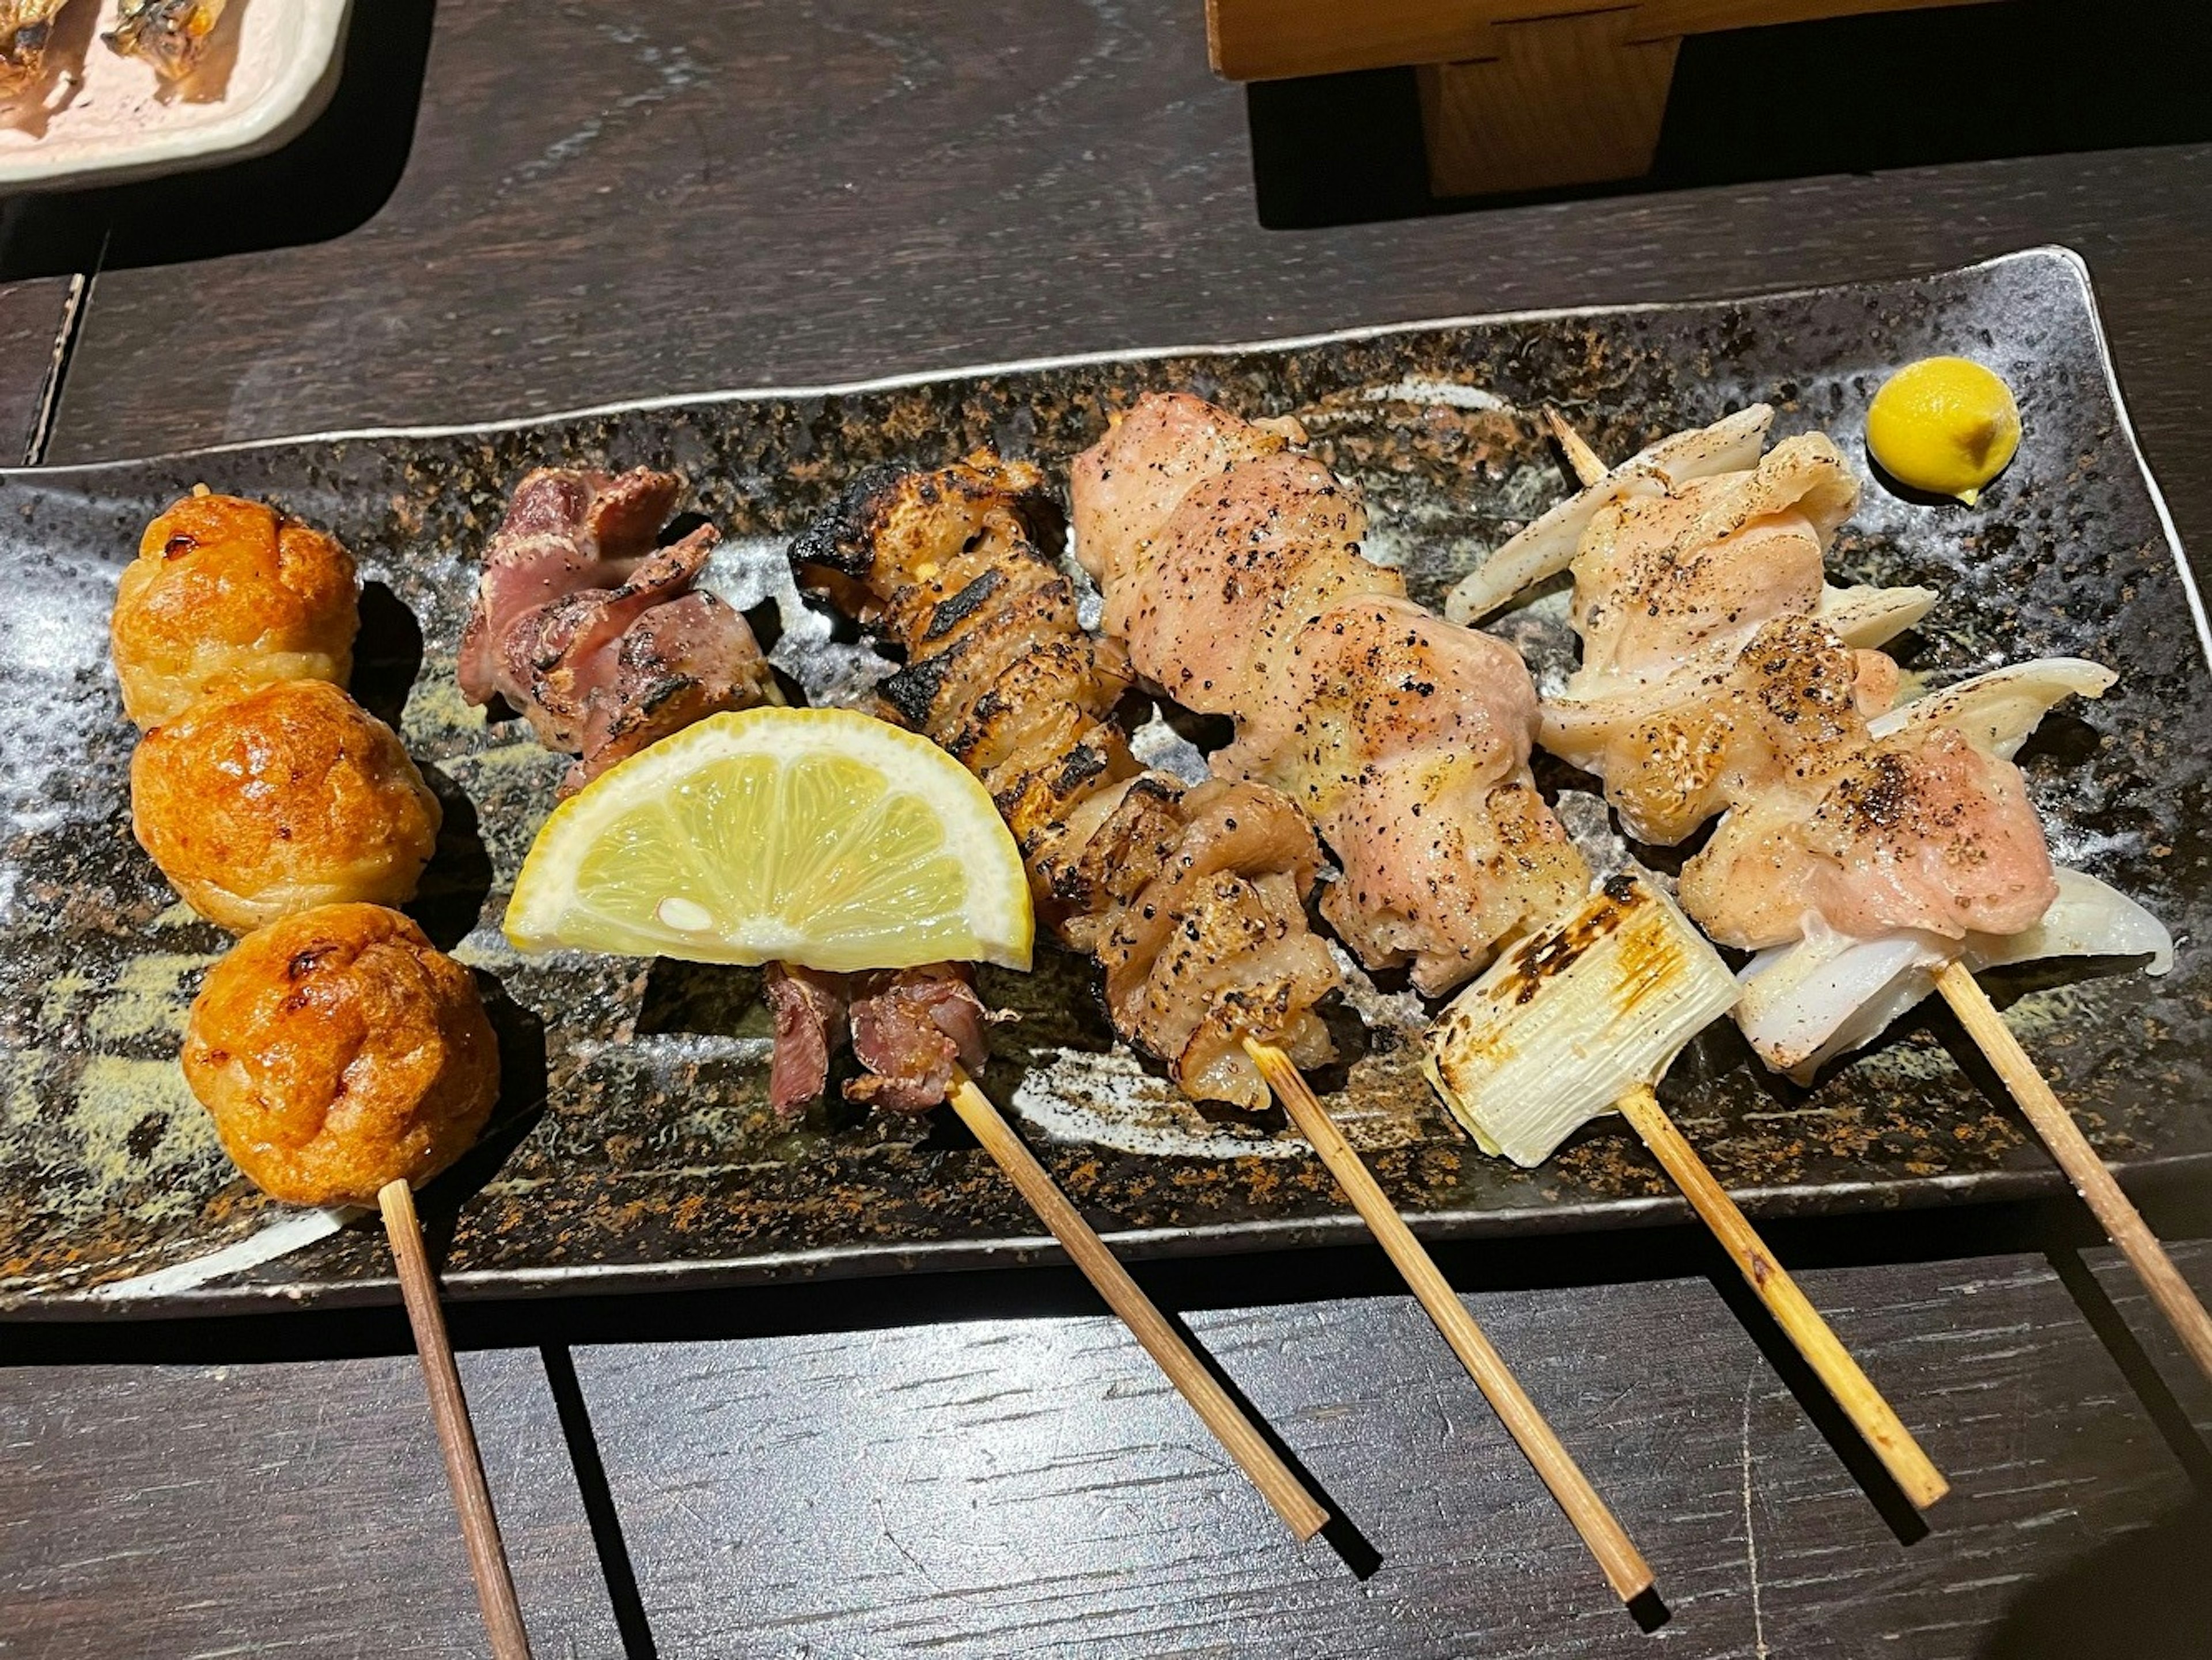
1923, 830
1661, 577
598, 636
1721, 674
1674, 751
1231, 570
1192, 898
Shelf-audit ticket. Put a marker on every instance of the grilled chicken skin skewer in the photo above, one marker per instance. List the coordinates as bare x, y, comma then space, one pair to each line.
1192, 898
1231, 572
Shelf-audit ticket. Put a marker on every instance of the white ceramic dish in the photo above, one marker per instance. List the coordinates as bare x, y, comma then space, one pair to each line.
100, 117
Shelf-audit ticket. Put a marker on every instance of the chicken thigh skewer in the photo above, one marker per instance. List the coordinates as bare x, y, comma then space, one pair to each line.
1231, 567
2113, 924
999, 672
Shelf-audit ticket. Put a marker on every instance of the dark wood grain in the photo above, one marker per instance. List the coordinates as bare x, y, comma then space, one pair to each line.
31, 321
661, 198
676, 199
205, 1510
990, 1487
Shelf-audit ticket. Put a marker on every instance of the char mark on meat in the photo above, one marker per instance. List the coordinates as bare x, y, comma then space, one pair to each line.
946, 568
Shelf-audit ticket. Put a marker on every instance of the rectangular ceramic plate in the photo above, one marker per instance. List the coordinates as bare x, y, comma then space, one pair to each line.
98, 118
638, 1149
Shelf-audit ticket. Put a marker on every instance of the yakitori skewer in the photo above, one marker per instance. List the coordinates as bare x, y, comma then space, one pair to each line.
1231, 567
1581, 1017
659, 657
280, 809
1191, 897
2117, 925
1300, 1511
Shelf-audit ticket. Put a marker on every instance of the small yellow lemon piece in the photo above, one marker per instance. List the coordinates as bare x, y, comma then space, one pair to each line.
1944, 425
816, 836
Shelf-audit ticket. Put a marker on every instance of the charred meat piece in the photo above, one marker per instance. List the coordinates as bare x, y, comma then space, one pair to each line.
909, 1029
598, 637
1193, 899
170, 34
810, 1013
26, 26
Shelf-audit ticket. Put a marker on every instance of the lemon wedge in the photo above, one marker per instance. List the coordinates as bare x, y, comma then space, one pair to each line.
816, 836
1945, 425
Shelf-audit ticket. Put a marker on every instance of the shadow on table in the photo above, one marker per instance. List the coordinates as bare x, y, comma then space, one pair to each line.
1851, 94
2144, 1377
2145, 1596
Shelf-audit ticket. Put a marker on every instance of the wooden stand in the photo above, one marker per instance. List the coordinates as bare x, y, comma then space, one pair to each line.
1516, 94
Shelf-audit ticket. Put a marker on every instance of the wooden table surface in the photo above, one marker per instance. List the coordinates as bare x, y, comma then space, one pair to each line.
660, 196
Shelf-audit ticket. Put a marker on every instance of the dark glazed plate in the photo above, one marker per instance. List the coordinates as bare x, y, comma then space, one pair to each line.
637, 1149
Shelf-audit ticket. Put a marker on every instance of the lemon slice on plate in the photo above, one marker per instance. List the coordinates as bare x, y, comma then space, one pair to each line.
816, 836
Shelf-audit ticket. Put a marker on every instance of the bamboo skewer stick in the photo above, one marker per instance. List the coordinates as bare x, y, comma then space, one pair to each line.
449, 1406
2072, 1153
1870, 1413
1625, 1569
1874, 1418
1588, 465
1300, 1511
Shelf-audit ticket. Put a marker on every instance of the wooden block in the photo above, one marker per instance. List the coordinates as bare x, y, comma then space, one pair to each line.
1571, 100
1657, 19
1270, 39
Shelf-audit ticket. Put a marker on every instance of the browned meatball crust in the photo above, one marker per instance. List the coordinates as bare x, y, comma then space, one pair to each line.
338, 1050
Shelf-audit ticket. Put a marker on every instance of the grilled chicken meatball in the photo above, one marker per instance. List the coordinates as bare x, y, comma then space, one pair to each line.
259, 804
227, 593
337, 1051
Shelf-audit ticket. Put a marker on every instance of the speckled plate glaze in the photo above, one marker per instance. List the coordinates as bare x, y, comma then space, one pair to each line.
635, 1146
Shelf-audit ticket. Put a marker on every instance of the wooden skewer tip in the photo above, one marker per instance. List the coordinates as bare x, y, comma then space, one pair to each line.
1588, 464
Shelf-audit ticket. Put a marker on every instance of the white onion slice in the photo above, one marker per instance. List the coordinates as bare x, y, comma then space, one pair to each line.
1997, 710
1804, 1004
1867, 617
1547, 546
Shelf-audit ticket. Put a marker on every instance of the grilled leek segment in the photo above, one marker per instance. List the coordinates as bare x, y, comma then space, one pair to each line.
1571, 1017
